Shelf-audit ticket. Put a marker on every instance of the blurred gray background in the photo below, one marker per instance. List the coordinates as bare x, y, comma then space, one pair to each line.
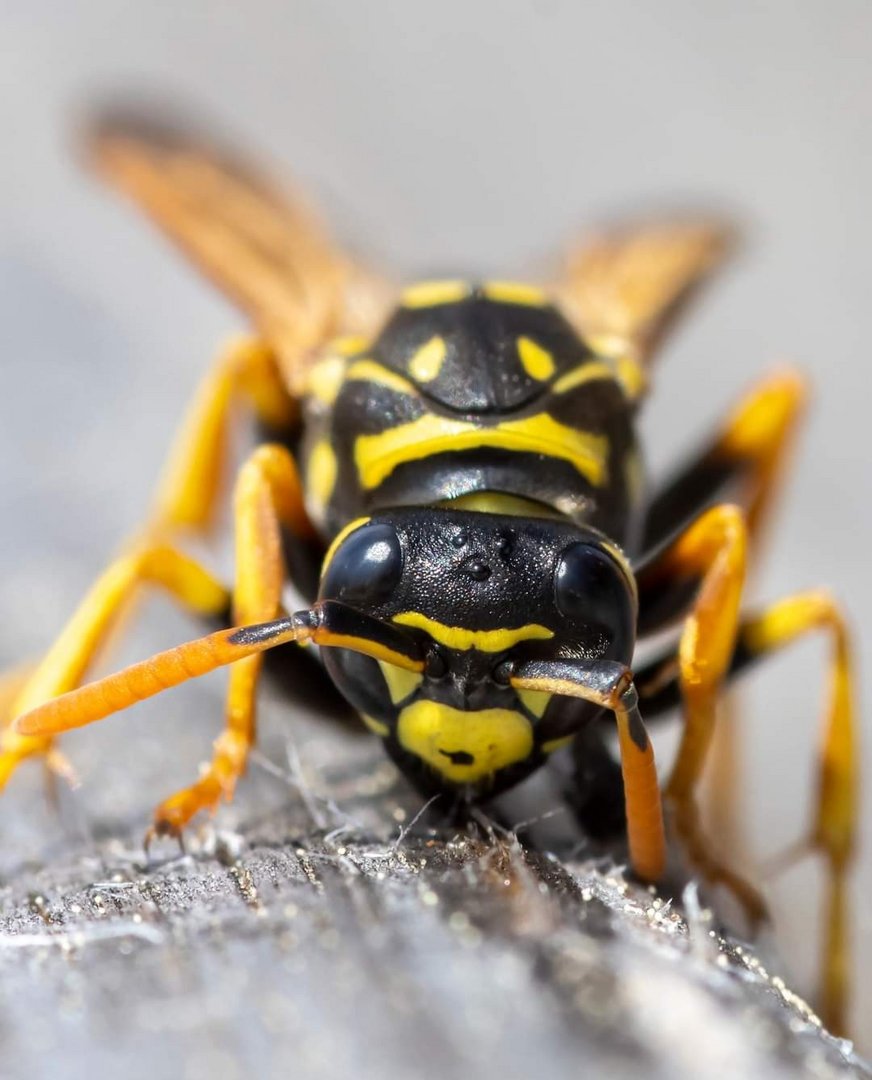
458, 136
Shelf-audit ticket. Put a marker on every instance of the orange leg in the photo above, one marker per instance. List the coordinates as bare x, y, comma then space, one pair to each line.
268, 495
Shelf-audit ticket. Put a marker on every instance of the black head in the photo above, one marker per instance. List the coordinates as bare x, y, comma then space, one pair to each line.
477, 591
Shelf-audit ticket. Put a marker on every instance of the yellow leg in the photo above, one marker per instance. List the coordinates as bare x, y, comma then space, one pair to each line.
757, 439
268, 494
714, 550
188, 492
834, 827
66, 663
187, 498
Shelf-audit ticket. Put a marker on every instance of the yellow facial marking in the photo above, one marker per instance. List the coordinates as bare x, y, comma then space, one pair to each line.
538, 362
464, 746
534, 700
515, 292
587, 372
458, 637
376, 726
433, 293
556, 744
376, 456
401, 683
371, 371
621, 559
325, 379
321, 473
338, 539
426, 364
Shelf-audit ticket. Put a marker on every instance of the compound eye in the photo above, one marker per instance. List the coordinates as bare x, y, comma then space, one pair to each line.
366, 569
591, 591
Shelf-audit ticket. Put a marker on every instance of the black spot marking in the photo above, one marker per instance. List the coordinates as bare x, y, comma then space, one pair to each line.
458, 757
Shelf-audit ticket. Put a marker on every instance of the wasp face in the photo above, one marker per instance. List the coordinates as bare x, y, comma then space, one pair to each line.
478, 591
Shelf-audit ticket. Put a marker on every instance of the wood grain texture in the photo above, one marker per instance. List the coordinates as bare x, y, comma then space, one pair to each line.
322, 937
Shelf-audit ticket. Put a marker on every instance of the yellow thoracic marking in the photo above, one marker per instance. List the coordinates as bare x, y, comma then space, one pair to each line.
631, 375
340, 537
497, 502
426, 364
556, 744
321, 473
538, 362
515, 292
587, 372
534, 700
433, 293
379, 727
372, 371
401, 683
458, 637
376, 456
489, 739
629, 371
325, 379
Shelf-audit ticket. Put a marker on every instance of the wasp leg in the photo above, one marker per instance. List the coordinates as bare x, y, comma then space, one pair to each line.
748, 454
267, 496
188, 492
748, 458
68, 660
703, 569
834, 825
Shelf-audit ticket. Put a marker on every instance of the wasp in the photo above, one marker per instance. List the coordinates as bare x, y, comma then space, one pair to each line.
451, 475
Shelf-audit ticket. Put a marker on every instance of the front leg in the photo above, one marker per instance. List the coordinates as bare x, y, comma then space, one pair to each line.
267, 496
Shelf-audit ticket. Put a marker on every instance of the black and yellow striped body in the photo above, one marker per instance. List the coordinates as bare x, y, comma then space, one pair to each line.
469, 390
452, 462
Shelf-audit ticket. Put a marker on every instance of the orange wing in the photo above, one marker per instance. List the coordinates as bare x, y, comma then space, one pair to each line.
264, 249
623, 288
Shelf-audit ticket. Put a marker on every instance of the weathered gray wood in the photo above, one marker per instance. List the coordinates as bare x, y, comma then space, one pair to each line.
318, 938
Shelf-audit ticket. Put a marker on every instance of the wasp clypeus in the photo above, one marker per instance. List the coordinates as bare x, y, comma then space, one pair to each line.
456, 470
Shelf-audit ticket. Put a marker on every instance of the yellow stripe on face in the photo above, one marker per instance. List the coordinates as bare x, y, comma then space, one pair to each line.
427, 362
464, 746
536, 701
372, 371
515, 292
340, 537
321, 473
458, 637
538, 362
556, 744
432, 293
400, 683
593, 369
378, 727
376, 456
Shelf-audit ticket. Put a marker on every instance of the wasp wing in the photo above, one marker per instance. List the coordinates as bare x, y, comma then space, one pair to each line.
624, 287
263, 248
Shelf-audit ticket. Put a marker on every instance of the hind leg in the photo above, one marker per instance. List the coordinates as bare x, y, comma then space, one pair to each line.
834, 820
